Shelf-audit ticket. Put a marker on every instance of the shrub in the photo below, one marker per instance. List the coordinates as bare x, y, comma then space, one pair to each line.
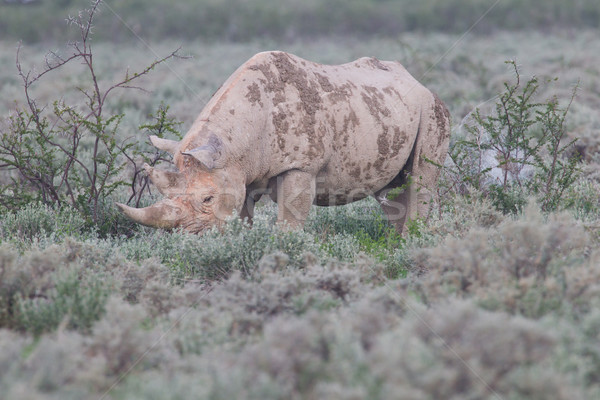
43, 289
76, 301
215, 254
520, 266
360, 226
120, 340
518, 150
458, 351
68, 154
37, 220
359, 218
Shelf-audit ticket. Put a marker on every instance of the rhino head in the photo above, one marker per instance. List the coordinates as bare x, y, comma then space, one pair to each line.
199, 197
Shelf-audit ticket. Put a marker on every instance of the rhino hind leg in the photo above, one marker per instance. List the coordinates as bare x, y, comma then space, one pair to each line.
423, 167
415, 198
396, 207
294, 194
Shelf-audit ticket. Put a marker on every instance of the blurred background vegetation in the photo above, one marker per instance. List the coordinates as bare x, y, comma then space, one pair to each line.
243, 20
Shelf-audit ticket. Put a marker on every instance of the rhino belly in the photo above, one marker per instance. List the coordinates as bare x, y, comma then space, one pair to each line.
342, 183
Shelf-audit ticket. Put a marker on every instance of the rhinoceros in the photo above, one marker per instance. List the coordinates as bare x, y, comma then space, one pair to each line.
304, 133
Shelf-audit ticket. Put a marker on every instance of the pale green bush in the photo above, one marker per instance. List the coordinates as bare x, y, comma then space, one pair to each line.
215, 254
43, 289
458, 351
120, 340
74, 300
37, 220
520, 267
520, 148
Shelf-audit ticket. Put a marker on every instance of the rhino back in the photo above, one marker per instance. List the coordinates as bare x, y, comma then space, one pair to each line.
350, 124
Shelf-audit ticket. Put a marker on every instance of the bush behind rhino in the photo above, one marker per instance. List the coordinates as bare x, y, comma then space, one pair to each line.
519, 149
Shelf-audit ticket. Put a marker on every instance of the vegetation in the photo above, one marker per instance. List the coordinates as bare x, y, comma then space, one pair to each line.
46, 151
242, 20
494, 295
503, 154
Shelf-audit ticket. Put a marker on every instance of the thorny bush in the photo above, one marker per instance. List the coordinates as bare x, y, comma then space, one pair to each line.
68, 154
519, 149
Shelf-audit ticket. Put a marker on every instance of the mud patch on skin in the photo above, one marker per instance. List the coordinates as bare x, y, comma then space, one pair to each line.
373, 98
291, 75
391, 91
355, 172
341, 93
351, 121
271, 84
378, 165
442, 115
174, 179
279, 71
400, 138
281, 128
324, 82
253, 94
310, 99
383, 145
378, 64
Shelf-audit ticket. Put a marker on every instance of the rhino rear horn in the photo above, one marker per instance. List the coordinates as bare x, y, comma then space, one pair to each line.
168, 183
170, 146
204, 155
163, 214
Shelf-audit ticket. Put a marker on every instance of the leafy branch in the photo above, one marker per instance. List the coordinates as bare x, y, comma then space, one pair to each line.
517, 149
68, 154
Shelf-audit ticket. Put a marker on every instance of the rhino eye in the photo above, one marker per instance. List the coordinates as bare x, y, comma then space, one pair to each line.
207, 199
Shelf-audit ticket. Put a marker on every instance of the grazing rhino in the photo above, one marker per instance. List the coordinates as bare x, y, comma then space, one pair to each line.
303, 133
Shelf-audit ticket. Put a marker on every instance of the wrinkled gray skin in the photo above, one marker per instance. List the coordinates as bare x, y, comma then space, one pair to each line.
303, 133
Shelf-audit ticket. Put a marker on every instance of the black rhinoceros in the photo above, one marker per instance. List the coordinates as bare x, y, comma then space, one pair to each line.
304, 133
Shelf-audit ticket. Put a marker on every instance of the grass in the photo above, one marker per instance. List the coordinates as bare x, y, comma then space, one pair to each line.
344, 308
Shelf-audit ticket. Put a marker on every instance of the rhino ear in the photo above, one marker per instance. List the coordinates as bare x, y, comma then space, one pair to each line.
209, 155
170, 146
203, 156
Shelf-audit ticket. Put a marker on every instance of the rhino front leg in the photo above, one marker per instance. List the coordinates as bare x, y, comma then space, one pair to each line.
295, 193
247, 212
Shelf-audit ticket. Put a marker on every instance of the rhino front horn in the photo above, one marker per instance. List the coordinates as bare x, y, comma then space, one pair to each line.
163, 214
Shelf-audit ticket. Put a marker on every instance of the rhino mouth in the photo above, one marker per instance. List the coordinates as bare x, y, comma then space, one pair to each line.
195, 226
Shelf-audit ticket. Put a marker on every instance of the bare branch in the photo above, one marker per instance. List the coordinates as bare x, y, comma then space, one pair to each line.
124, 83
